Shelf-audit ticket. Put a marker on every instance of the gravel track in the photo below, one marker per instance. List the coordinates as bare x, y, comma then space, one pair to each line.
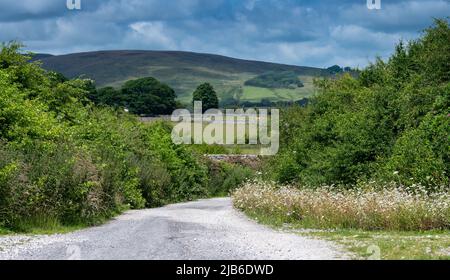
200, 230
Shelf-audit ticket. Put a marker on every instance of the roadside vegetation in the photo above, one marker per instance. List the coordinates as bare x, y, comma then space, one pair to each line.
391, 123
65, 162
367, 207
390, 245
367, 161
388, 222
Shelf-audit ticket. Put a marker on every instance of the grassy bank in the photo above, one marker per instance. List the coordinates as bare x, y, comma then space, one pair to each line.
373, 245
367, 207
391, 245
383, 223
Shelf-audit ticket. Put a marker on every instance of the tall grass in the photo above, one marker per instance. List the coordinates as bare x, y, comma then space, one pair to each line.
368, 208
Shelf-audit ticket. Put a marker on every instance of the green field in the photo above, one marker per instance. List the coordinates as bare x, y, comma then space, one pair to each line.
233, 87
239, 149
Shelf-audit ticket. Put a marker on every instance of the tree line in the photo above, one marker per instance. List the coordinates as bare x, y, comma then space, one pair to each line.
149, 97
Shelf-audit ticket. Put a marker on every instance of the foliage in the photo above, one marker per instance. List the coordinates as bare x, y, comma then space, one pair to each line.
206, 149
65, 161
336, 69
285, 79
226, 177
389, 124
145, 96
207, 95
148, 96
368, 208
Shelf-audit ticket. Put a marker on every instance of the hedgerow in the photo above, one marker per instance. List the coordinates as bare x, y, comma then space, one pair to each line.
63, 160
390, 123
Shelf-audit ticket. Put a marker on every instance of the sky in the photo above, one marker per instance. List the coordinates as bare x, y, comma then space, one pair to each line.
299, 32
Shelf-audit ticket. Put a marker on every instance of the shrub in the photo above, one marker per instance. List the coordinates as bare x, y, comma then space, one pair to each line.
226, 177
57, 182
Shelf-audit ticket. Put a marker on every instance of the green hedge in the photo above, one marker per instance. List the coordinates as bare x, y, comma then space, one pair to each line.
64, 160
389, 124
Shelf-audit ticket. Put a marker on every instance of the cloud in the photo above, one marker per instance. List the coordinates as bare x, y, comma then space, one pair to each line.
302, 32
153, 34
397, 16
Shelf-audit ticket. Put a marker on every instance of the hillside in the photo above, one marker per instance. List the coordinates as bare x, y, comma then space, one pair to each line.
183, 71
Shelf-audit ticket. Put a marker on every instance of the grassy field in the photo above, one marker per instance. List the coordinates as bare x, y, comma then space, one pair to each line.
255, 94
233, 87
241, 149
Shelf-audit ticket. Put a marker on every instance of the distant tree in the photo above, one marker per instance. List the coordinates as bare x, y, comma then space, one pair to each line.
206, 93
145, 96
284, 79
108, 96
148, 96
335, 69
348, 69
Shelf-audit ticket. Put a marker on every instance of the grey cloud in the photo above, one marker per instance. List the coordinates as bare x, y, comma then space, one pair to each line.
303, 32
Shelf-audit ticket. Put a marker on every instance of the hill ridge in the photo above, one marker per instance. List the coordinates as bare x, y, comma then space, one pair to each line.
181, 70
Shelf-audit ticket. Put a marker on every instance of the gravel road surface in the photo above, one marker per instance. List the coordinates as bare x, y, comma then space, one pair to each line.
205, 229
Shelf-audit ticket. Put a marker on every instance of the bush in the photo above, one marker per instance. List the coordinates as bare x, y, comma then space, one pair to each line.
226, 177
58, 182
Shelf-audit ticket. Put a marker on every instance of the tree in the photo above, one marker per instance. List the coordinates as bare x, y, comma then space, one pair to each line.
207, 95
335, 69
108, 96
148, 96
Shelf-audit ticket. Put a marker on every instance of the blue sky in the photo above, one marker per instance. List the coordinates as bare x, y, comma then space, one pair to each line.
311, 33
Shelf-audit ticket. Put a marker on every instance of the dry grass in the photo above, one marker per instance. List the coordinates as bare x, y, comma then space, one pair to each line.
368, 208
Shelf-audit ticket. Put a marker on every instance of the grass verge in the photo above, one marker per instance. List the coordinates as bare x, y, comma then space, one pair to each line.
373, 245
49, 225
384, 223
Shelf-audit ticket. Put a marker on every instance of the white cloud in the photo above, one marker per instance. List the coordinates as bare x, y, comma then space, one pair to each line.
153, 34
